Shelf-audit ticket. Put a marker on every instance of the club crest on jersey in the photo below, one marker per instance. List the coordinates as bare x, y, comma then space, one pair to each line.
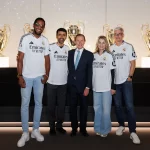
43, 43
124, 49
65, 52
104, 58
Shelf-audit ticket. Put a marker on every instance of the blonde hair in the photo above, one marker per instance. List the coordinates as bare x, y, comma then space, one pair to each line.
106, 43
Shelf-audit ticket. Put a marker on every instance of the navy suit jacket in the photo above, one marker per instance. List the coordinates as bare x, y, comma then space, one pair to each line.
82, 76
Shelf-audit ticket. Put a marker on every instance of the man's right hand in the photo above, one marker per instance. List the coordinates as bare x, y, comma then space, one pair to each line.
22, 82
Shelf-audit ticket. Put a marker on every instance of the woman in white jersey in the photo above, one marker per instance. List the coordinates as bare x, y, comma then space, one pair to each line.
103, 86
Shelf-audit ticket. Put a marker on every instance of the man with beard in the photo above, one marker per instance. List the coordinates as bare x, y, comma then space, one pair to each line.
57, 82
33, 65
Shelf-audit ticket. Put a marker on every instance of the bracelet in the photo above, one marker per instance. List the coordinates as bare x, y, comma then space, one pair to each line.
19, 75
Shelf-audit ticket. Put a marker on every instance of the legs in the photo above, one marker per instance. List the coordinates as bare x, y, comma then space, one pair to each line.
25, 95
61, 101
118, 105
38, 95
56, 93
102, 108
106, 110
128, 97
83, 112
97, 97
73, 108
127, 91
51, 95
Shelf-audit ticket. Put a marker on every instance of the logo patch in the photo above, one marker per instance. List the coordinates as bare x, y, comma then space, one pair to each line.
31, 42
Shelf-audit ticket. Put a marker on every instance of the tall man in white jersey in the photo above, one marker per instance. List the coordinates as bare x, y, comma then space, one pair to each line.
57, 82
33, 65
125, 65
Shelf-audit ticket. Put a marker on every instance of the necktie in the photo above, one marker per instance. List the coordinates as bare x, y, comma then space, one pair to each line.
77, 59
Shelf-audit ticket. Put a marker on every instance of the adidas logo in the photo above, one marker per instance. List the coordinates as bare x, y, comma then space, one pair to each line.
56, 52
31, 42
113, 51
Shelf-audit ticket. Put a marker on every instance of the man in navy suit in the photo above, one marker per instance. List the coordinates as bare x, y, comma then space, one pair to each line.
79, 83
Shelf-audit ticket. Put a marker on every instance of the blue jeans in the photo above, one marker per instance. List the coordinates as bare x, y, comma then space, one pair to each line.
125, 89
25, 95
102, 108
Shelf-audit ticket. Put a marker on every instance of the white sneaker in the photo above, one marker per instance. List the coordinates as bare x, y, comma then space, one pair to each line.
120, 130
135, 139
98, 134
104, 135
37, 135
24, 138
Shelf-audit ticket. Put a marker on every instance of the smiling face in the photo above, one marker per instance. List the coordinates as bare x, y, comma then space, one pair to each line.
80, 41
118, 35
101, 44
38, 26
61, 37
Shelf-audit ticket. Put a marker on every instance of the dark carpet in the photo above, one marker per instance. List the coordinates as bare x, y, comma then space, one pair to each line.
9, 137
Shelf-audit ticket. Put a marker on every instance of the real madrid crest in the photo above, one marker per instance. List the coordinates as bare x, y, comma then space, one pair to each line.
124, 49
43, 43
104, 58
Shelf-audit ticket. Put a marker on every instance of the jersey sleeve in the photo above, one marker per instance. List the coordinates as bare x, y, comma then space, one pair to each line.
22, 45
47, 48
132, 54
112, 62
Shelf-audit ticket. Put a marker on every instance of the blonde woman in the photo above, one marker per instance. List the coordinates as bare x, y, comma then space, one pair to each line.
103, 86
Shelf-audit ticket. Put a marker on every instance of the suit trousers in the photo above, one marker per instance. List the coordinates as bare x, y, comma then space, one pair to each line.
74, 97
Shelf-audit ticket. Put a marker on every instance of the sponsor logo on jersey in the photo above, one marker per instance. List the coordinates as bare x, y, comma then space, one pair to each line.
31, 42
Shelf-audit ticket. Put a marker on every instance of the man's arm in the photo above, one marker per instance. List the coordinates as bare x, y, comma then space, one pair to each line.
47, 69
90, 72
19, 69
89, 75
132, 69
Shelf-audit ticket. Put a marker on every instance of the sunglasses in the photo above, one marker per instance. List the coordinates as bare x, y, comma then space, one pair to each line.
119, 34
38, 25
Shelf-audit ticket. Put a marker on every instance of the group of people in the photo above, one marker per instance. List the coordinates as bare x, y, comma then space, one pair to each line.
108, 72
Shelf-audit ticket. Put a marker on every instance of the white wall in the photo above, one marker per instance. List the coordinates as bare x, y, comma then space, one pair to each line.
130, 13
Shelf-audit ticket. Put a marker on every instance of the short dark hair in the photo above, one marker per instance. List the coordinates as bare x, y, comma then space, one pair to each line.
61, 29
80, 35
39, 18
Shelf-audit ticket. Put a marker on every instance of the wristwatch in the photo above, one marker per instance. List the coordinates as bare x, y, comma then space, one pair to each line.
19, 75
130, 77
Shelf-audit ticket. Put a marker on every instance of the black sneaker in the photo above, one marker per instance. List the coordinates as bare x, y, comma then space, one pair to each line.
61, 130
52, 132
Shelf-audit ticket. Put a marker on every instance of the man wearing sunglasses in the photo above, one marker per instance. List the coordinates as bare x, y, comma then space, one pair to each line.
125, 65
33, 65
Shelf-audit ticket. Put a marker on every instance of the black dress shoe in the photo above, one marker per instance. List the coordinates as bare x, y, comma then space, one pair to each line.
84, 133
73, 133
61, 130
52, 132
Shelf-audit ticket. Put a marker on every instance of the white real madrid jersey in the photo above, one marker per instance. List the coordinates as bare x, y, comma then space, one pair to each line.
58, 64
34, 50
123, 55
102, 66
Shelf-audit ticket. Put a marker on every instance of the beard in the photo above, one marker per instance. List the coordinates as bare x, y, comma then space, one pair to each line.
37, 33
